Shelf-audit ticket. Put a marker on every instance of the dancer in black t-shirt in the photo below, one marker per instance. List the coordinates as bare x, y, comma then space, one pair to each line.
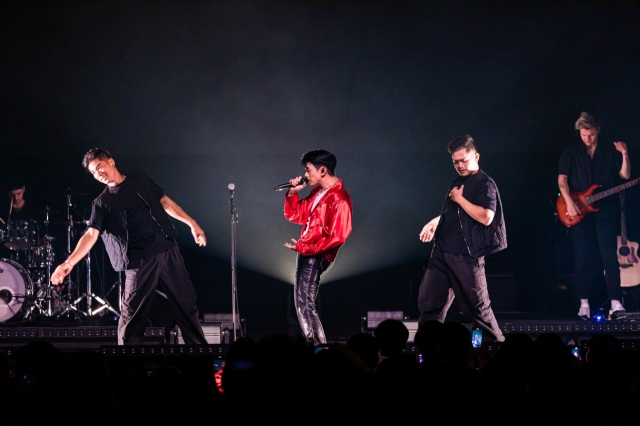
132, 215
469, 227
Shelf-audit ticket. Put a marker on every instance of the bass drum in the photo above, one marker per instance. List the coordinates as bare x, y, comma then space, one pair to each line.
16, 291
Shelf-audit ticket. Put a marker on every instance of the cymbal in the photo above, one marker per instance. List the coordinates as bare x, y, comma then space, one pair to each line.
77, 194
75, 222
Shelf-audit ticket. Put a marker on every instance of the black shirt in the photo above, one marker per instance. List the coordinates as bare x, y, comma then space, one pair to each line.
27, 213
582, 171
145, 237
478, 191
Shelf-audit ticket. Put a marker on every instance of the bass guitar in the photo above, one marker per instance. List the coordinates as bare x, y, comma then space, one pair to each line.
627, 253
584, 201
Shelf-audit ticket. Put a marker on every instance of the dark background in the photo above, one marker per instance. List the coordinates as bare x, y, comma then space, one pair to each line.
203, 94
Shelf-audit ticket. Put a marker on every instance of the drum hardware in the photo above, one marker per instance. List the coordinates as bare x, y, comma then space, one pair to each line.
48, 261
26, 291
20, 235
90, 297
66, 307
42, 297
40, 256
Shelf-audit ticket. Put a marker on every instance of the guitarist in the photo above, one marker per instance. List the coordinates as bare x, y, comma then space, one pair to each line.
581, 165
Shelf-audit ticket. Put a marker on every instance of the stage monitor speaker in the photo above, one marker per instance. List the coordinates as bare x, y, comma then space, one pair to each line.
226, 324
412, 326
212, 333
373, 318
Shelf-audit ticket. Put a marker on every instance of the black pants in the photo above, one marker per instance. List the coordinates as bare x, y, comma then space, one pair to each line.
305, 293
450, 276
595, 239
164, 271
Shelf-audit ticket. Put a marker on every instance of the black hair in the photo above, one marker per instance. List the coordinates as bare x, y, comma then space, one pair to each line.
320, 157
462, 142
392, 336
92, 154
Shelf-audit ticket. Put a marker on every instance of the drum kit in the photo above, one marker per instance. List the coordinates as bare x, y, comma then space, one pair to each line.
26, 292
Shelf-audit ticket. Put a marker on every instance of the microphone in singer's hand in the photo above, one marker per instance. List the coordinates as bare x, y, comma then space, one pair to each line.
287, 185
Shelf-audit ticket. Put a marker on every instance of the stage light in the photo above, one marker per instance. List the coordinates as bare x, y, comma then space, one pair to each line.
598, 318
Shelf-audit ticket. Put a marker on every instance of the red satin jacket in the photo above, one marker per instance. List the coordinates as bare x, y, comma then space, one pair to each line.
330, 223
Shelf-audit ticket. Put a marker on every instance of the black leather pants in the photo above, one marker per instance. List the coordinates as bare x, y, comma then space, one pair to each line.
305, 292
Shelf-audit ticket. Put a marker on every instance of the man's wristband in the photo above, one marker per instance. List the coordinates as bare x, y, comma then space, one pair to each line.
67, 261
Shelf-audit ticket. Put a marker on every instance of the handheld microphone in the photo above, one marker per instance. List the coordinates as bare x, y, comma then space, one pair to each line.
287, 185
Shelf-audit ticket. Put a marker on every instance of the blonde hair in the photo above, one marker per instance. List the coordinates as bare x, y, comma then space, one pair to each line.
587, 121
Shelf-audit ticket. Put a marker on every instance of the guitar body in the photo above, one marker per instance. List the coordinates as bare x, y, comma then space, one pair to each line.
581, 201
584, 201
629, 264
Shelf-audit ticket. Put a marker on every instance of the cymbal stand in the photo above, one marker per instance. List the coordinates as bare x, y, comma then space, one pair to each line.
42, 285
66, 306
89, 296
48, 282
68, 282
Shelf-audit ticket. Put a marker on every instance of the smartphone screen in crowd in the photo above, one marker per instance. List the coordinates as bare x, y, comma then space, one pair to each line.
476, 337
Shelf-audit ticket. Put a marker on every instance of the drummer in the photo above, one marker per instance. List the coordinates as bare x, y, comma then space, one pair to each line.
18, 210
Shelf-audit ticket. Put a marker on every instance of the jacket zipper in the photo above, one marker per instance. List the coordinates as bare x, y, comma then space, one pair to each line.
462, 230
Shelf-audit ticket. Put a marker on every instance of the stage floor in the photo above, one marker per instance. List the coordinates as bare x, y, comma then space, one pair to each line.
103, 337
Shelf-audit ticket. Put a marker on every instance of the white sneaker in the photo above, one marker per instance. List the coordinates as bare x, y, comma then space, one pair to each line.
617, 308
584, 312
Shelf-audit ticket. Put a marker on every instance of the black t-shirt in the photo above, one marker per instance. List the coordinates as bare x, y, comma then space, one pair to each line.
582, 171
477, 190
28, 212
145, 237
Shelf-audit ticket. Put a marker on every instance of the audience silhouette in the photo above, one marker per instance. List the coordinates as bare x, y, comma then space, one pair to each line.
370, 377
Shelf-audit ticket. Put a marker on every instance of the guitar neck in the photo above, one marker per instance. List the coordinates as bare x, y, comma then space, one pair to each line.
600, 195
623, 222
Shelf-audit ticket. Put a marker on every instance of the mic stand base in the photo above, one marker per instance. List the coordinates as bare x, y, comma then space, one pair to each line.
90, 310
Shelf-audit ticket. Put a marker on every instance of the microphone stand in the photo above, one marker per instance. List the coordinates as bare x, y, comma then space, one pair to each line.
234, 221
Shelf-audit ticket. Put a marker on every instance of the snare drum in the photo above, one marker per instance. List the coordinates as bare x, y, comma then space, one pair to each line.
16, 291
21, 235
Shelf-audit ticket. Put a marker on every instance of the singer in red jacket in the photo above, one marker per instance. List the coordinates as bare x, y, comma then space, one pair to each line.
325, 216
